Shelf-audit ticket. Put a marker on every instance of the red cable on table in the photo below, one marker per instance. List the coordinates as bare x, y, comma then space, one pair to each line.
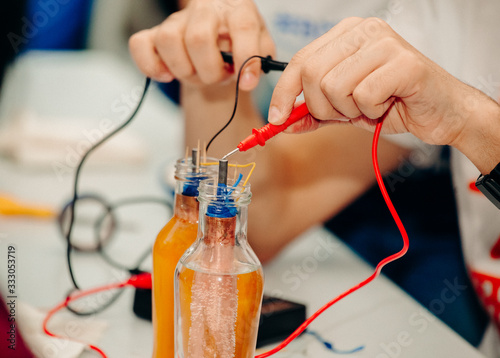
378, 268
140, 281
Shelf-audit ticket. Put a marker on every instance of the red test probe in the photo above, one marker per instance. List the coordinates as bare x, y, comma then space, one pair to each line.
262, 135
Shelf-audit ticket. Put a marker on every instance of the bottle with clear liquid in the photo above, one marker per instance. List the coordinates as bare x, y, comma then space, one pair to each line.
171, 243
219, 280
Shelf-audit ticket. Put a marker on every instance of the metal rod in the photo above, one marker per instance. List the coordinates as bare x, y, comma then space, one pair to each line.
195, 159
223, 165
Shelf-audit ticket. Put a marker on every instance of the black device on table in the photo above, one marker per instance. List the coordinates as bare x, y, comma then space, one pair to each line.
278, 317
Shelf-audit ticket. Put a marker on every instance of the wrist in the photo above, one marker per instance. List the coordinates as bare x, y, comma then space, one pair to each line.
479, 139
220, 95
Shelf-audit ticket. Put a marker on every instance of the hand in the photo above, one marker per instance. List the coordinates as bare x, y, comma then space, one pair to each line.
362, 70
187, 44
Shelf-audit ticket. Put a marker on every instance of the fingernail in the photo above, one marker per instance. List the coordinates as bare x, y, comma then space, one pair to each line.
165, 77
249, 79
274, 116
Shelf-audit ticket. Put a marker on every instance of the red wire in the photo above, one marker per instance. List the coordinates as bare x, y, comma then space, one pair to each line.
75, 297
381, 264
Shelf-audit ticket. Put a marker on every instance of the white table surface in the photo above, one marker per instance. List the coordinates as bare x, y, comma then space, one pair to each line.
381, 317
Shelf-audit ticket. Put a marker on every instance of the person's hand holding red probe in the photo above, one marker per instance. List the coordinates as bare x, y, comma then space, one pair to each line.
363, 70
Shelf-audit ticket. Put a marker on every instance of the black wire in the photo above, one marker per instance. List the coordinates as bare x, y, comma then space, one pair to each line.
100, 249
98, 224
235, 99
98, 309
77, 176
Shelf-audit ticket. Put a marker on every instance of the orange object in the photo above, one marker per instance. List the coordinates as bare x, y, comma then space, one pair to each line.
10, 206
172, 241
219, 282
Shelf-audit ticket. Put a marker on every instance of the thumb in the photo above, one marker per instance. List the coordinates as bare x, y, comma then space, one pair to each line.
285, 93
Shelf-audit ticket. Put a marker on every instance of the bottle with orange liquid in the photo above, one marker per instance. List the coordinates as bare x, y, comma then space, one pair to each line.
219, 280
172, 241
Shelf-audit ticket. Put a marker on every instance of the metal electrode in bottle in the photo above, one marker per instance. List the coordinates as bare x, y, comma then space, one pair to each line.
219, 280
171, 243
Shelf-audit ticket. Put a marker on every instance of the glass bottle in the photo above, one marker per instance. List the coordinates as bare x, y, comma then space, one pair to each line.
219, 280
171, 243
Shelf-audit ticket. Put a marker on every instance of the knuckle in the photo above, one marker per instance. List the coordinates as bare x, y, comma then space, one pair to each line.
362, 95
375, 22
389, 43
374, 26
164, 35
309, 71
330, 87
248, 24
413, 62
298, 58
196, 37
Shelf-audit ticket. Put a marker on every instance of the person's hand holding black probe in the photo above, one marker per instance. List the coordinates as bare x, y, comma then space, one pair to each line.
363, 70
187, 45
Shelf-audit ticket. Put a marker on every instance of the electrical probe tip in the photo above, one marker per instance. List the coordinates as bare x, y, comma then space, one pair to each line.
230, 153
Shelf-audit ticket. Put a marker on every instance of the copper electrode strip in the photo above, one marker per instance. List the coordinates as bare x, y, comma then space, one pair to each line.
220, 231
214, 300
187, 207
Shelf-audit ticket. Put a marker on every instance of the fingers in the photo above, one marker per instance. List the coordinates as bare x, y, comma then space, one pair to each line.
342, 89
305, 67
169, 44
187, 44
249, 37
355, 72
201, 43
144, 53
